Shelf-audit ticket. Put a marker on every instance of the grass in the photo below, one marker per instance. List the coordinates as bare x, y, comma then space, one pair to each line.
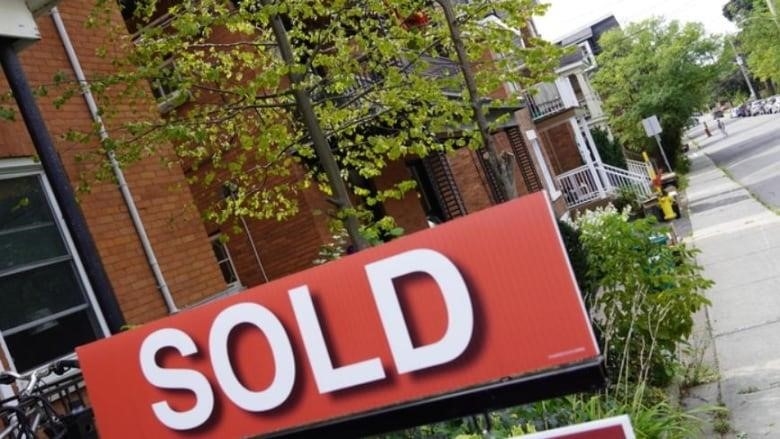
720, 422
695, 371
748, 390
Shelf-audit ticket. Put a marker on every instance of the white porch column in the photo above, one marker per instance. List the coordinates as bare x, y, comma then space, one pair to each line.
546, 173
599, 163
591, 98
584, 152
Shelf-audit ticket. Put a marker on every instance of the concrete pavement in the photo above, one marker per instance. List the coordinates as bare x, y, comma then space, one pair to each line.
739, 239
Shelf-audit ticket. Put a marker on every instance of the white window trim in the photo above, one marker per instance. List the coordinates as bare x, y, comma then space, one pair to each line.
25, 167
549, 182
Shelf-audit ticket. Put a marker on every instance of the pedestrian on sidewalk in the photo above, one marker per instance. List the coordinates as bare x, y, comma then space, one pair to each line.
707, 130
722, 128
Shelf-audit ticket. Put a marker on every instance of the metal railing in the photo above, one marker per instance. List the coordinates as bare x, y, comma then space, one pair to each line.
69, 399
620, 178
542, 109
637, 167
579, 185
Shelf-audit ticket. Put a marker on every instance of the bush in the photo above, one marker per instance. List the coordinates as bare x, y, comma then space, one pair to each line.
576, 254
610, 151
682, 164
628, 198
648, 293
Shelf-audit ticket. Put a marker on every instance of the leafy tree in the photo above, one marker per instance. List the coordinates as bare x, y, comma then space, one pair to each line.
655, 68
730, 84
381, 77
758, 37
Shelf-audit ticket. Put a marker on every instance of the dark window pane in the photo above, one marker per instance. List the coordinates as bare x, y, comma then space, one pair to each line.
37, 293
25, 245
219, 250
23, 203
227, 272
49, 340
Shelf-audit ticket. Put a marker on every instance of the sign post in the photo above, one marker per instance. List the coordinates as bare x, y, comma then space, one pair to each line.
476, 314
653, 129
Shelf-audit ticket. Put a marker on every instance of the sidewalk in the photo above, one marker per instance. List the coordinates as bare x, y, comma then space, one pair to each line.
739, 241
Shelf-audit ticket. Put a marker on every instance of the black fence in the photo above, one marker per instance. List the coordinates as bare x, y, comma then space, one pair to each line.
68, 397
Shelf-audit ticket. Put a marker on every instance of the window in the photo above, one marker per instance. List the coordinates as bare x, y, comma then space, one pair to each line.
46, 306
225, 262
166, 87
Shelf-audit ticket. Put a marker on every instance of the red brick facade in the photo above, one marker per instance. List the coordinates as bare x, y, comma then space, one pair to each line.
170, 217
560, 146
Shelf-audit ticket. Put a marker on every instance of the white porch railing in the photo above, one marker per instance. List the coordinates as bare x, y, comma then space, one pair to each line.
637, 167
620, 178
579, 185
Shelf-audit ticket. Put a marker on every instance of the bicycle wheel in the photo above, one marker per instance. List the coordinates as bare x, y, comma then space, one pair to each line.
17, 424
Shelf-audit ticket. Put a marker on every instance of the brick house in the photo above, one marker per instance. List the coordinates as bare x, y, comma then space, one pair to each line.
566, 111
47, 303
158, 253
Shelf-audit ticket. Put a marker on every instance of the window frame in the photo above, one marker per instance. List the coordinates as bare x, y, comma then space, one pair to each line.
229, 286
168, 100
27, 167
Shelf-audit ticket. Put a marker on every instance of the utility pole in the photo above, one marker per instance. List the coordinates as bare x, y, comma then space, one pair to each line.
501, 166
741, 63
771, 5
319, 141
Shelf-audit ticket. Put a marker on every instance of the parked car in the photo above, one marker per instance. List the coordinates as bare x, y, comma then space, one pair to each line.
739, 111
757, 107
773, 104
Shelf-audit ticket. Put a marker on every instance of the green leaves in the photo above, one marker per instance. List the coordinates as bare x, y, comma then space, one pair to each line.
647, 293
655, 68
760, 32
378, 87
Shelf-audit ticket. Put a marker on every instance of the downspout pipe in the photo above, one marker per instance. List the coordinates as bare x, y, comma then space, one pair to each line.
60, 185
162, 285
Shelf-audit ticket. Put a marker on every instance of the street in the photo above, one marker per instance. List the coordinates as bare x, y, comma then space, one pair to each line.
751, 156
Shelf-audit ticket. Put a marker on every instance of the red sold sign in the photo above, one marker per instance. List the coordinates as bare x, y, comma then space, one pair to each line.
618, 427
482, 299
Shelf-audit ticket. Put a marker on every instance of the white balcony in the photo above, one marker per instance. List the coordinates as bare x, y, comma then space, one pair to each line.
549, 99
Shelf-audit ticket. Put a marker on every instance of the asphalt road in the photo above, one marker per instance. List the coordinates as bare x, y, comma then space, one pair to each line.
750, 155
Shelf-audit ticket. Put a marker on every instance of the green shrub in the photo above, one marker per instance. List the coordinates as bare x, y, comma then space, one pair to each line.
576, 254
610, 151
627, 197
682, 164
648, 294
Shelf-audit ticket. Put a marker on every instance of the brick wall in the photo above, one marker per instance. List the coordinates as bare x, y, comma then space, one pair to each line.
408, 211
283, 247
561, 148
171, 220
470, 179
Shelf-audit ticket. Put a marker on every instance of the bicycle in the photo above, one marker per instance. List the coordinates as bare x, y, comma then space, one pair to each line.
33, 415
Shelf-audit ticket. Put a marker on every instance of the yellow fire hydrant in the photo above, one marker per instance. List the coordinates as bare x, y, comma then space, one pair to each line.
665, 202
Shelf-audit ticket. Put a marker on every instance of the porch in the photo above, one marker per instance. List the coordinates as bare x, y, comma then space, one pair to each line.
600, 181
